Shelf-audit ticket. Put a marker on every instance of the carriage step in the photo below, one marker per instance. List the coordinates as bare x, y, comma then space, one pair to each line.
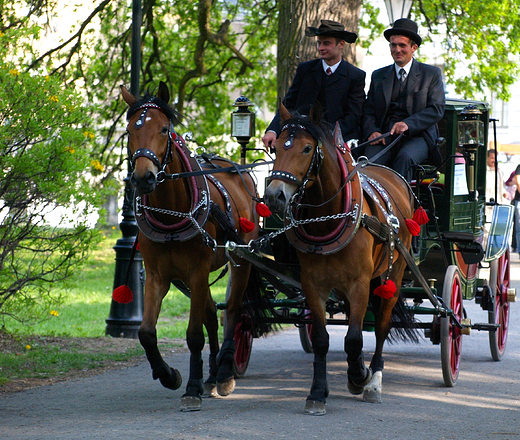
485, 326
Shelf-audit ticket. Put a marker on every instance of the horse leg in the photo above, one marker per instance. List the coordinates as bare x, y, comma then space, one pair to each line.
211, 324
383, 323
316, 400
154, 294
225, 360
358, 374
192, 398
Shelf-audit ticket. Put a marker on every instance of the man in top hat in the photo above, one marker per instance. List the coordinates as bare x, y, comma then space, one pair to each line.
336, 84
405, 97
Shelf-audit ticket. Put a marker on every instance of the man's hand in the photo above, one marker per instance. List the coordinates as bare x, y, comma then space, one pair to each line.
398, 128
269, 139
374, 135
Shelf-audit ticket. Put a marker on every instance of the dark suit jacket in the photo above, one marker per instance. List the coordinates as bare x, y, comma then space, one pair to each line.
345, 95
425, 101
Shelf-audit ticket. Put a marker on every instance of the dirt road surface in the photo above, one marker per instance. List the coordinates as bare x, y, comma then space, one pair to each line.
268, 402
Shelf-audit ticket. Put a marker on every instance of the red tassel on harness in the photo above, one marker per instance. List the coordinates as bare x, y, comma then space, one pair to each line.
263, 210
386, 290
412, 226
246, 225
123, 294
420, 216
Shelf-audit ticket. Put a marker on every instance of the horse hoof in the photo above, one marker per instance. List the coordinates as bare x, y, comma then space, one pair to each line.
373, 389
358, 388
190, 403
314, 408
210, 389
227, 387
172, 382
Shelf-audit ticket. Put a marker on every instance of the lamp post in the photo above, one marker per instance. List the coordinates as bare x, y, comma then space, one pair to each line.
243, 125
124, 319
397, 9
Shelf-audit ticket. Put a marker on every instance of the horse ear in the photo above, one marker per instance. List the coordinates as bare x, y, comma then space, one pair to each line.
338, 136
164, 93
284, 113
316, 113
127, 97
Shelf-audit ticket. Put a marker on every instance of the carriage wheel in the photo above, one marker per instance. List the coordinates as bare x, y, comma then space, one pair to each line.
499, 281
306, 333
451, 335
244, 344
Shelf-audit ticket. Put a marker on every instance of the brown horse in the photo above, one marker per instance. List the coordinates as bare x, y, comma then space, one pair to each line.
344, 226
183, 223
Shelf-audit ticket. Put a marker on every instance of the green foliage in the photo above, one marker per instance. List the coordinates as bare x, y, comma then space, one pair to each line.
45, 142
481, 41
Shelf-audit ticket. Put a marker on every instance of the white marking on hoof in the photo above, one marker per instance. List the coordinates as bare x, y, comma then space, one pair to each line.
314, 408
374, 388
190, 403
226, 388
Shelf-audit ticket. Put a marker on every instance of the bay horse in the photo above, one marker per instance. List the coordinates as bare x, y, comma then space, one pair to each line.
183, 224
348, 247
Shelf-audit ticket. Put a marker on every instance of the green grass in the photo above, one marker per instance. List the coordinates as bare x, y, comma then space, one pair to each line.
85, 307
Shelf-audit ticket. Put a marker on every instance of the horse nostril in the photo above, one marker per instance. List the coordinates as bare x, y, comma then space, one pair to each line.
151, 178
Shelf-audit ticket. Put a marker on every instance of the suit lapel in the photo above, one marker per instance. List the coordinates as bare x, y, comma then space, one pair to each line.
413, 79
388, 84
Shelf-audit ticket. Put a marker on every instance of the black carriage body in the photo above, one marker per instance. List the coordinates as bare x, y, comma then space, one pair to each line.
456, 237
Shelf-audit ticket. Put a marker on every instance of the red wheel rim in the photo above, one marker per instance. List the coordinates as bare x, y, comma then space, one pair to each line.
243, 340
501, 302
454, 331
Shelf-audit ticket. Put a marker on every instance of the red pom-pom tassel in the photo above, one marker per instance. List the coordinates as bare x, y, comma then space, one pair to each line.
386, 290
137, 247
412, 226
123, 294
246, 225
263, 210
420, 216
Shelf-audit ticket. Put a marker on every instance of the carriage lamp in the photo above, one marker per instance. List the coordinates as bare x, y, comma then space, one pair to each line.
471, 138
243, 124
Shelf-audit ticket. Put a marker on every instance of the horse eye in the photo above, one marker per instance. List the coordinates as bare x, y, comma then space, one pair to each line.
164, 130
307, 149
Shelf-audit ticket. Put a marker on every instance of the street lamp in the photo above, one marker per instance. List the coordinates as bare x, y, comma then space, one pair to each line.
243, 125
124, 320
397, 9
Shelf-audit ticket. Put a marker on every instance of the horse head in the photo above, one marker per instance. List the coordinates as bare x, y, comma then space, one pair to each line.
150, 134
298, 157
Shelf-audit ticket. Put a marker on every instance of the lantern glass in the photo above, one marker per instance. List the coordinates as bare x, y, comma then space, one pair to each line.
471, 132
397, 9
241, 124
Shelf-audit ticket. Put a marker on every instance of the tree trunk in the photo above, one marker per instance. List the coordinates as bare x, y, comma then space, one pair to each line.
294, 47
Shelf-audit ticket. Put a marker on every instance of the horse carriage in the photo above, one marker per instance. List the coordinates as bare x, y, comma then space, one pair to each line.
349, 243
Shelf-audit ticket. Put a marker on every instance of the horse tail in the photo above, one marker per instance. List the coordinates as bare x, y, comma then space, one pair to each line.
257, 306
403, 322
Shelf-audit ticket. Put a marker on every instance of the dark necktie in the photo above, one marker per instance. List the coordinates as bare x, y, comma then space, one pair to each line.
402, 75
328, 71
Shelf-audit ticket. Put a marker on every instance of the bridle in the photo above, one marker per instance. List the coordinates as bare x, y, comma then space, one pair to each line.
316, 161
145, 152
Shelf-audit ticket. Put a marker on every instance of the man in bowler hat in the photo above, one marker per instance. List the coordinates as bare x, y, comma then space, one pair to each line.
336, 84
406, 97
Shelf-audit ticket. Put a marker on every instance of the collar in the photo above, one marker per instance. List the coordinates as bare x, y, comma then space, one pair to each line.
333, 68
406, 68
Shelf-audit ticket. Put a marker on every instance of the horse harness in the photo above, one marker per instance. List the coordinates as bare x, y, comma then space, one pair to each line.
352, 214
202, 206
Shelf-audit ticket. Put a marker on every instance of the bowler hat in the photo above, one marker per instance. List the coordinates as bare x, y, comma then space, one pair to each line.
405, 27
331, 28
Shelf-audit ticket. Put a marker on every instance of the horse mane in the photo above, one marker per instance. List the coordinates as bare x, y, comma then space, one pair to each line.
320, 131
167, 109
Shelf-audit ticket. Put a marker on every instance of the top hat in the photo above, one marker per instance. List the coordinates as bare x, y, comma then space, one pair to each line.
405, 27
331, 28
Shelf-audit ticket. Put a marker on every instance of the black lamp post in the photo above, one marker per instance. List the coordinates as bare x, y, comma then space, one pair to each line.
243, 125
124, 319
397, 9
